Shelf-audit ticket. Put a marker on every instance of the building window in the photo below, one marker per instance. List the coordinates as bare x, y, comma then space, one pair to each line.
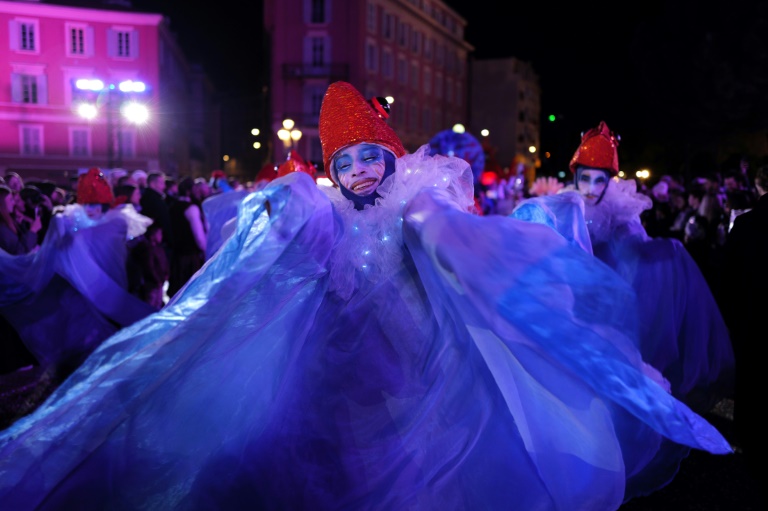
79, 142
123, 43
316, 152
317, 11
413, 118
387, 22
127, 141
371, 17
24, 34
416, 42
79, 41
316, 95
31, 137
449, 90
415, 75
426, 121
402, 71
318, 51
440, 55
403, 31
371, 57
439, 85
428, 42
387, 64
29, 88
427, 80
459, 99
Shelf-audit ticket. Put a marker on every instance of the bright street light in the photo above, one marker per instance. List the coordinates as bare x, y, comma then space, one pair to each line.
135, 112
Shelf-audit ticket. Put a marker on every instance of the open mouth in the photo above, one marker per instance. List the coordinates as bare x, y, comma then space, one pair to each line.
363, 185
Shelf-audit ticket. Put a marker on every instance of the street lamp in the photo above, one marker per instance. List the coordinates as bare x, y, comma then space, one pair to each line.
289, 135
120, 103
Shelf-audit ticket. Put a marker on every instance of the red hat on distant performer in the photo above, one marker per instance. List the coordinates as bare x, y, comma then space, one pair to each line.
346, 119
296, 163
93, 188
598, 150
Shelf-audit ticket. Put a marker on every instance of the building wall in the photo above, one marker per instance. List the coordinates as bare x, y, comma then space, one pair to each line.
153, 58
506, 100
362, 42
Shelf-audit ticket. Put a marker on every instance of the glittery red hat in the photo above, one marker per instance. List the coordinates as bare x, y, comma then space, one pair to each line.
296, 163
93, 188
346, 119
597, 150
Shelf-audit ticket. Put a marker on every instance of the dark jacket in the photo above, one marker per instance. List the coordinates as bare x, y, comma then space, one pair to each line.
154, 206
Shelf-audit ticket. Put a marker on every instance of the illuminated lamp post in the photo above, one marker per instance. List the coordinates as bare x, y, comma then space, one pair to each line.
120, 103
289, 135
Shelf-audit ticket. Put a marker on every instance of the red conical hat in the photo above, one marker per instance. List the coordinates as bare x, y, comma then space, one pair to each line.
296, 163
93, 188
598, 150
346, 119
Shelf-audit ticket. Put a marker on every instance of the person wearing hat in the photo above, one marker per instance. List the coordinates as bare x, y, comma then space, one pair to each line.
368, 345
94, 193
682, 332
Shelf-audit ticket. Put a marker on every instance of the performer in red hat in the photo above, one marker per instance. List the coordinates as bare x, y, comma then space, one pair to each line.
672, 293
94, 193
369, 345
681, 331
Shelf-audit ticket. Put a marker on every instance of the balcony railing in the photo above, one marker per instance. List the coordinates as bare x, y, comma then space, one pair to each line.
333, 72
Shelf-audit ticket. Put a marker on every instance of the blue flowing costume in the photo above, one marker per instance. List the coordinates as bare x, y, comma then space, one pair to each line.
405, 356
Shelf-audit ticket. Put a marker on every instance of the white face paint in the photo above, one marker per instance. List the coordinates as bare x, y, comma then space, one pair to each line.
592, 184
93, 211
360, 168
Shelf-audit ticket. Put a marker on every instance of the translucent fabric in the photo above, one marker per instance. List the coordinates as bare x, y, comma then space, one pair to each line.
680, 331
407, 356
70, 295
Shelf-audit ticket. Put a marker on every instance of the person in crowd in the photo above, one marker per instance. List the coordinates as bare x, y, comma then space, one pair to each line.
370, 345
171, 190
35, 204
744, 300
14, 239
128, 194
119, 176
154, 205
14, 181
140, 177
190, 229
148, 267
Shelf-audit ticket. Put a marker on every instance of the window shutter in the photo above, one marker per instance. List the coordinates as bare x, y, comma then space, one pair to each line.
16, 87
89, 49
111, 43
134, 44
13, 32
42, 89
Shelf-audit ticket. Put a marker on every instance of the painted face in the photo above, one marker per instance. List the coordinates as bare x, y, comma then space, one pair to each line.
592, 184
93, 211
360, 168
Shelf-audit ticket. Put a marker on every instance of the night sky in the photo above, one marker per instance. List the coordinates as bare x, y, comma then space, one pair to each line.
682, 83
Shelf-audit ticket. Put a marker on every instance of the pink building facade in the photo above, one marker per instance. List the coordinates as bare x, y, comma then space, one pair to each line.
51, 52
411, 50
